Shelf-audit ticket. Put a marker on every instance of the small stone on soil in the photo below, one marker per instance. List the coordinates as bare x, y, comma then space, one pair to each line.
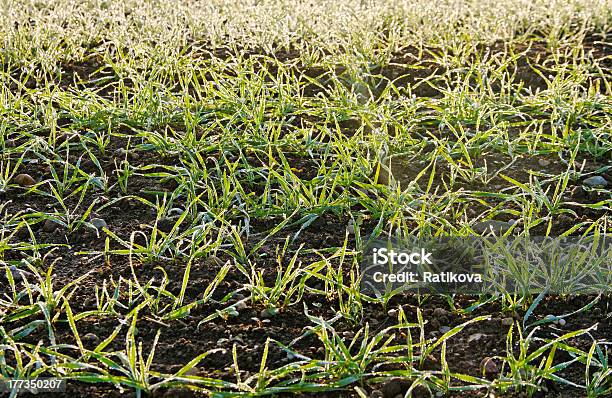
350, 229
595, 182
489, 366
121, 152
98, 223
561, 322
543, 162
91, 338
25, 180
475, 337
18, 274
268, 312
444, 329
50, 226
175, 212
238, 339
430, 363
507, 321
392, 312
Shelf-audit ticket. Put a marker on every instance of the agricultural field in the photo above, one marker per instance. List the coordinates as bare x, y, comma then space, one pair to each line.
187, 188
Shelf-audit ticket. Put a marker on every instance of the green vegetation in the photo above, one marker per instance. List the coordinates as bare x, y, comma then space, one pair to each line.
185, 188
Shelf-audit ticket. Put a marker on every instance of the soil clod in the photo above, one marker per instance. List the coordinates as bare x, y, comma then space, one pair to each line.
394, 387
595, 182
